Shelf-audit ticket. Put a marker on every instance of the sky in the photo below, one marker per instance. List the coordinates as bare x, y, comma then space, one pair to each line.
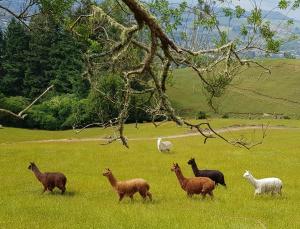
265, 5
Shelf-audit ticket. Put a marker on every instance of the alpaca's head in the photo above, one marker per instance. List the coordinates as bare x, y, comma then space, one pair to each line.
191, 161
175, 167
107, 172
31, 166
247, 174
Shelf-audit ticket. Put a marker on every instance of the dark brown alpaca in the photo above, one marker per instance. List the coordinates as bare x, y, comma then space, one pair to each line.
194, 185
215, 175
49, 180
128, 187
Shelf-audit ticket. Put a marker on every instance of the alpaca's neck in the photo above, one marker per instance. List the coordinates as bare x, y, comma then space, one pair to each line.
195, 168
39, 175
158, 143
112, 180
182, 180
253, 181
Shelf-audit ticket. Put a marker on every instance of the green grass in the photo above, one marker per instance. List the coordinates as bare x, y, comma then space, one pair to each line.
188, 96
91, 203
10, 135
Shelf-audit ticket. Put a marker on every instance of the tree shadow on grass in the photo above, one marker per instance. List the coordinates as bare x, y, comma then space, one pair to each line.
140, 201
199, 198
267, 197
168, 152
58, 193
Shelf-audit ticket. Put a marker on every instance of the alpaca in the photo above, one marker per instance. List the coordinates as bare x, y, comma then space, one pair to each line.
129, 187
163, 146
266, 185
49, 180
215, 175
194, 185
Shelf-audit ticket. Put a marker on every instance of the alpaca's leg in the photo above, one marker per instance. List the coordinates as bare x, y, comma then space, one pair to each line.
63, 189
149, 195
50, 187
190, 195
203, 196
211, 194
223, 183
257, 192
131, 197
121, 196
45, 189
279, 191
143, 194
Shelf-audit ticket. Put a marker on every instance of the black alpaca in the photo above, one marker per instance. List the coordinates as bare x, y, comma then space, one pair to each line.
215, 175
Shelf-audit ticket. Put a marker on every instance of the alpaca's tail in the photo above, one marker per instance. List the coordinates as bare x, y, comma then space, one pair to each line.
64, 181
147, 186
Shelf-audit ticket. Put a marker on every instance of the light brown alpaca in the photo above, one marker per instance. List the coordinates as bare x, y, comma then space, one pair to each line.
194, 185
128, 187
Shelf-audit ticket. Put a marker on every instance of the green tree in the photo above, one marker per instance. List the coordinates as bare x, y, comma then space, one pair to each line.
1, 54
15, 47
43, 35
67, 65
54, 57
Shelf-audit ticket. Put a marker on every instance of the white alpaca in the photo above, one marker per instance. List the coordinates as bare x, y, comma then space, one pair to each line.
265, 185
163, 146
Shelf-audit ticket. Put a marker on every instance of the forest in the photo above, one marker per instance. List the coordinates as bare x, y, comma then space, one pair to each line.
50, 54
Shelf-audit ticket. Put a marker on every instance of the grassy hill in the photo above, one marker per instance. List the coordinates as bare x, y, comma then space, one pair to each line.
249, 93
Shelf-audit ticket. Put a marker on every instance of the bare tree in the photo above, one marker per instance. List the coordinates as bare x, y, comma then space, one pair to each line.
23, 14
223, 61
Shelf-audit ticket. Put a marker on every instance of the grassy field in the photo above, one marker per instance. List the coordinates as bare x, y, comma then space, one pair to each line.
250, 92
91, 203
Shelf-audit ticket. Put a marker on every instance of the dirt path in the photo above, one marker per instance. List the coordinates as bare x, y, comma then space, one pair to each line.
190, 134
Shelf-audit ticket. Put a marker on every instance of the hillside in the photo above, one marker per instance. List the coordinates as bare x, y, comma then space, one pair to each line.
278, 92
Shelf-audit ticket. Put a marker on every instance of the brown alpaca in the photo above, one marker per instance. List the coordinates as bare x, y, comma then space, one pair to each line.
128, 187
194, 185
49, 180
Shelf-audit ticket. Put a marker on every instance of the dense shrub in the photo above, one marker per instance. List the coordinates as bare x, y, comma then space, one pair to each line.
201, 115
81, 115
41, 120
14, 104
52, 114
225, 116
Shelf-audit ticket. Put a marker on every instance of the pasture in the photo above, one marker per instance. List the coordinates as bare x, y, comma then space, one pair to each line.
250, 91
90, 202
